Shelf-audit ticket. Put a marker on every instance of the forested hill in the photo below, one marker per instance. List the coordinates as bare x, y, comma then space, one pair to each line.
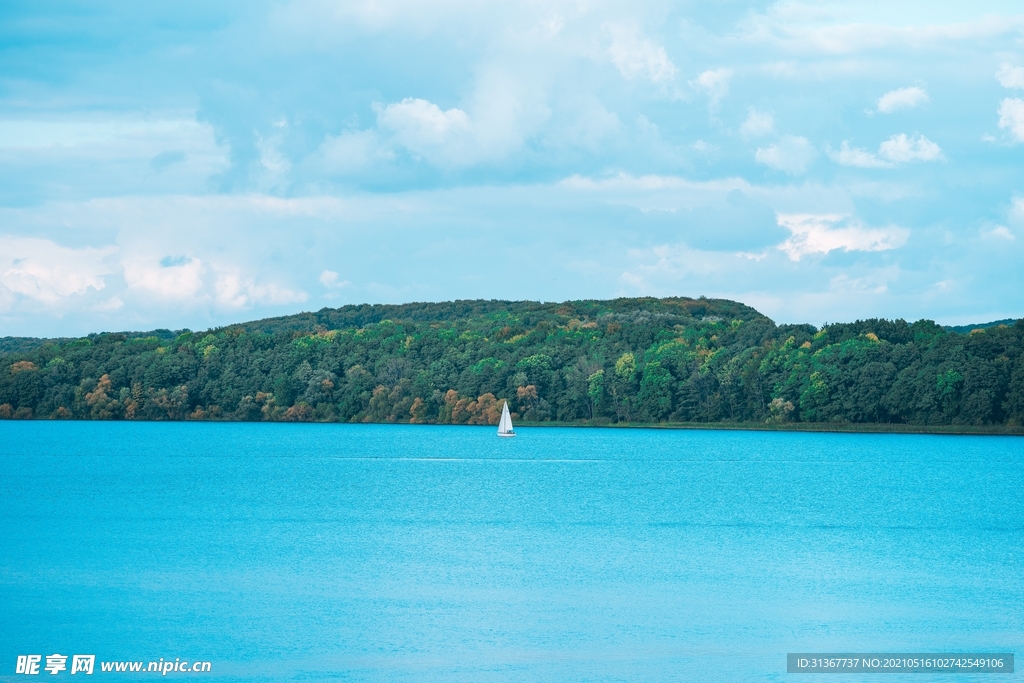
626, 360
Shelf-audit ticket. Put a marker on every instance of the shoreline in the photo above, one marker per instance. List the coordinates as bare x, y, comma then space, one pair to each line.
818, 427
837, 427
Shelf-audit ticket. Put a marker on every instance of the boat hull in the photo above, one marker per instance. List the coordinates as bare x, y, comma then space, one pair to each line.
509, 434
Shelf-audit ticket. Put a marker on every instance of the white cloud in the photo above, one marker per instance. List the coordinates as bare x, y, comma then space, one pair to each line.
351, 151
422, 126
592, 125
180, 145
802, 28
502, 112
715, 83
49, 273
1017, 209
903, 98
875, 281
757, 124
193, 282
659, 269
1010, 76
271, 157
855, 156
1011, 117
1000, 233
791, 154
651, 182
329, 279
822, 233
635, 56
176, 278
114, 136
704, 147
233, 290
898, 149
114, 303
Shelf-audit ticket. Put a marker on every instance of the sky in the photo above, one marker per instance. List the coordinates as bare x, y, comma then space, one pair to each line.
193, 164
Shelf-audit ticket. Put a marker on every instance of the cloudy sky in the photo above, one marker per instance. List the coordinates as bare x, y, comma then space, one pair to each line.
197, 163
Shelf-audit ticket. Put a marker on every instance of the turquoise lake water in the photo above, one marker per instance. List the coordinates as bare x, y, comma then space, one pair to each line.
421, 553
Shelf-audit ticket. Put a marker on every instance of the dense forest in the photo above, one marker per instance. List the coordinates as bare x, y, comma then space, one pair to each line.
623, 361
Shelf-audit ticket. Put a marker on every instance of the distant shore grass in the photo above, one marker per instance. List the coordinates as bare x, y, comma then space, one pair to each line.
840, 427
843, 427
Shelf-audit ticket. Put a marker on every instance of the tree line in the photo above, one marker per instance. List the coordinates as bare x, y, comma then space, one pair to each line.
622, 361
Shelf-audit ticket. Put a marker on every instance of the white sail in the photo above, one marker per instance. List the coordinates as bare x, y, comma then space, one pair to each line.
505, 424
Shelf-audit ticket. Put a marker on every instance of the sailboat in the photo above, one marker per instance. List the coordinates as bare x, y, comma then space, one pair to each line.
505, 424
